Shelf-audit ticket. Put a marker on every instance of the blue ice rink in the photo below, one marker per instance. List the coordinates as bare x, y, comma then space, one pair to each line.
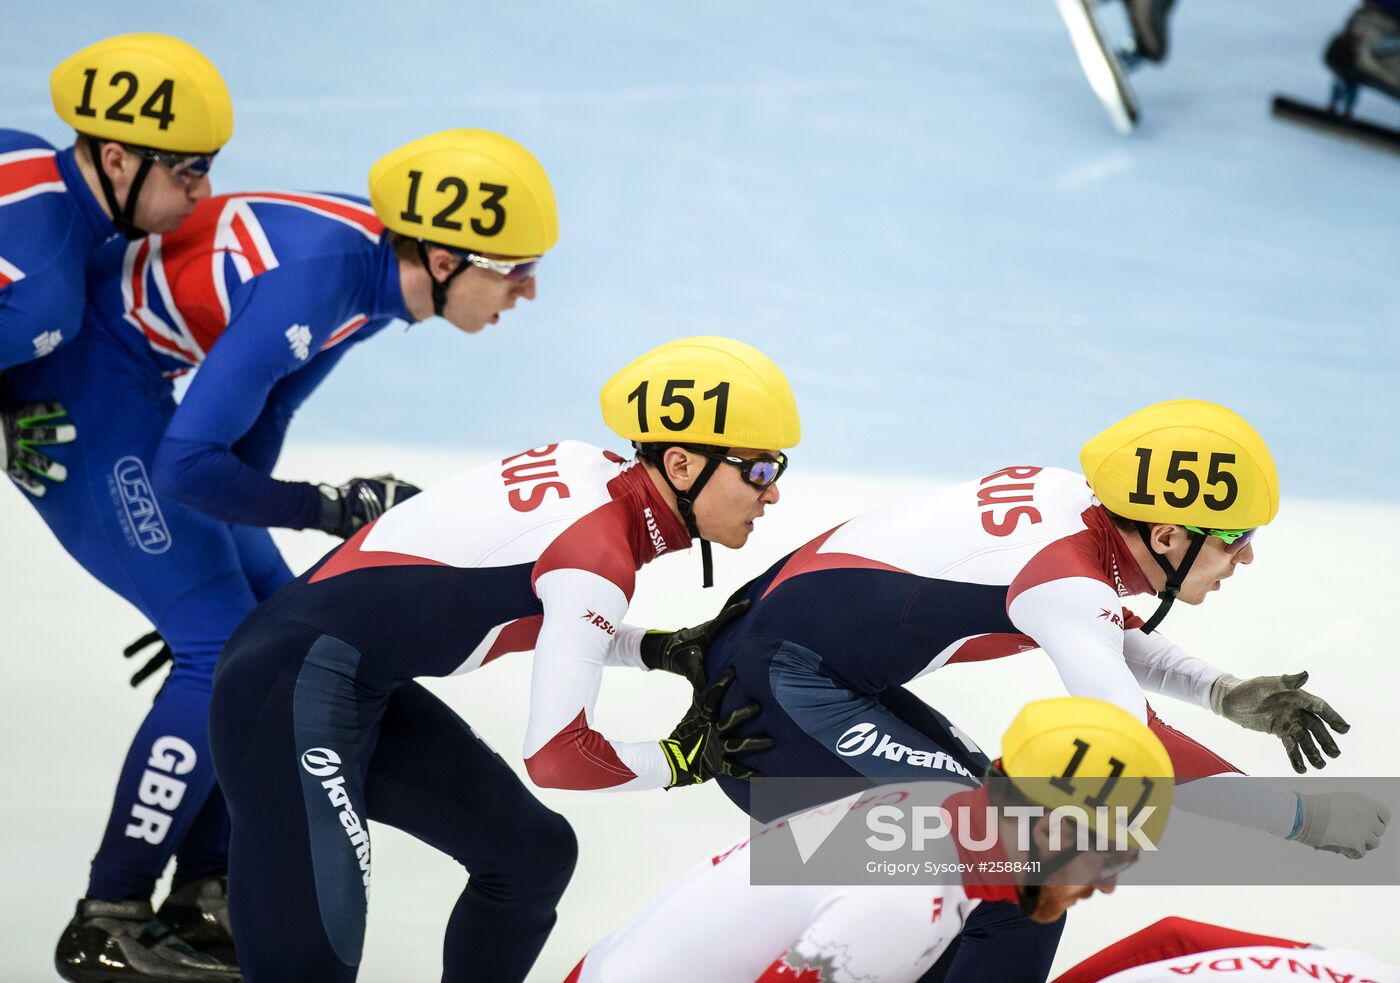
918, 209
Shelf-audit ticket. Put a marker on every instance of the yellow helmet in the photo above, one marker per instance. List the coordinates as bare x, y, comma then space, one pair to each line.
704, 390
1077, 751
468, 189
1187, 462
148, 90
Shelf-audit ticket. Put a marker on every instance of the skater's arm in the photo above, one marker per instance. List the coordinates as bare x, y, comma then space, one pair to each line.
41, 285
1162, 666
1073, 620
274, 330
261, 446
562, 750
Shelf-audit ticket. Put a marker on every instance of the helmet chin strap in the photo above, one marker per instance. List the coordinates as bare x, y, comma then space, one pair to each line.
123, 217
685, 504
1176, 576
1028, 895
439, 286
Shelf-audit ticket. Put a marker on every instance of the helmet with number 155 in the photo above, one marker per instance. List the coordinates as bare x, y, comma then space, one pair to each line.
1187, 462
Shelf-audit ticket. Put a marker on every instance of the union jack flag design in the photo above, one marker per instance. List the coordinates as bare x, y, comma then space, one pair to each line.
176, 288
26, 173
9, 273
23, 175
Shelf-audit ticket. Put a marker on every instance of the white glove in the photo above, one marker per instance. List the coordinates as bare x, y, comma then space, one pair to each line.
1342, 822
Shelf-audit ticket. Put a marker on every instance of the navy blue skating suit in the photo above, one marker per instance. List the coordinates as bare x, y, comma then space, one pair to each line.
318, 722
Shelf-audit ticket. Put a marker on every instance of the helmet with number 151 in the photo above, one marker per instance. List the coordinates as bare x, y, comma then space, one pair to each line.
704, 390
706, 395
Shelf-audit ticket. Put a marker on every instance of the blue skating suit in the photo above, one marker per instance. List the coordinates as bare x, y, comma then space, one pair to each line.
50, 224
264, 292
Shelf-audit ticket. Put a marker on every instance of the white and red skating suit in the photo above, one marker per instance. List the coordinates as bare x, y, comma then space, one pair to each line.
1022, 558
735, 932
1178, 948
538, 551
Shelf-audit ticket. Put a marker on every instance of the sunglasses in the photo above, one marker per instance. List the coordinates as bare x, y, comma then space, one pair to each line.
513, 270
184, 168
760, 472
1115, 863
1234, 539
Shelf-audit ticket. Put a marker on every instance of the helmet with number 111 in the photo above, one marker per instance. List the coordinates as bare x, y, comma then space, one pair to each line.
707, 395
1184, 462
1097, 759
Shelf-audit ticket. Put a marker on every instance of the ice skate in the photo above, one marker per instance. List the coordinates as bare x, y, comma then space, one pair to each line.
1366, 54
198, 913
117, 941
1105, 67
1149, 21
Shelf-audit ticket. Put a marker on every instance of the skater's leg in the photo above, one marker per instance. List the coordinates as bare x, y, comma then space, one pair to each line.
433, 777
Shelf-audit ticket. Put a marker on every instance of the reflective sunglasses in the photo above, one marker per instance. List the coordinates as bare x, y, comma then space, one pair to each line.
760, 472
184, 168
1234, 539
513, 270
1115, 863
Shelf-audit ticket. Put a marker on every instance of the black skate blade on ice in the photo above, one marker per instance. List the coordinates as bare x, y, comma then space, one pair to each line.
1103, 68
1337, 124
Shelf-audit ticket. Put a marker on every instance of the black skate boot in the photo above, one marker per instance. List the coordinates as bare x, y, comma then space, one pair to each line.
1367, 52
121, 941
198, 913
1149, 22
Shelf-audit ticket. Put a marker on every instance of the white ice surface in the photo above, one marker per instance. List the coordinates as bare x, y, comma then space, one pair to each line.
1314, 599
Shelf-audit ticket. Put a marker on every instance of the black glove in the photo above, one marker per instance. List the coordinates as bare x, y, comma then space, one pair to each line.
1279, 705
28, 426
683, 651
700, 747
153, 664
348, 507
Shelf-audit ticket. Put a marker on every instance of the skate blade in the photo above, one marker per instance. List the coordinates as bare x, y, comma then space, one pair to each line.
1100, 65
1335, 124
